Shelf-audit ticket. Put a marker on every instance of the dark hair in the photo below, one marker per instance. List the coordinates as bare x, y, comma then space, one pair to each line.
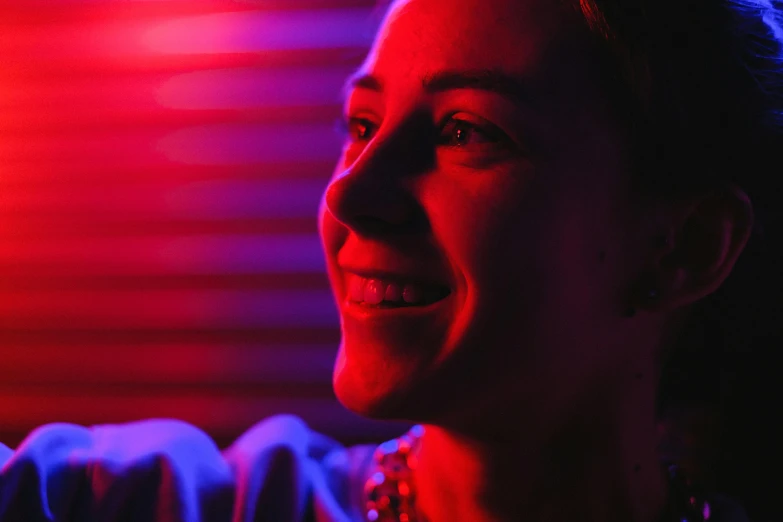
702, 89
702, 85
698, 84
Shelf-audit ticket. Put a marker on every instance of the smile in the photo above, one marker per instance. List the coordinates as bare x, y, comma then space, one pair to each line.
376, 292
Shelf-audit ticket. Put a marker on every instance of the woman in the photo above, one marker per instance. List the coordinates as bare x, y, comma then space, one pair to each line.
535, 207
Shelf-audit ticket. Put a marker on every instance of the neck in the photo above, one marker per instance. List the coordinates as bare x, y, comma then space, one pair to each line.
600, 464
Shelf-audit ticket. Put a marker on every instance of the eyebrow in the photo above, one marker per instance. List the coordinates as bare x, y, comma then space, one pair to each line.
483, 79
363, 81
488, 80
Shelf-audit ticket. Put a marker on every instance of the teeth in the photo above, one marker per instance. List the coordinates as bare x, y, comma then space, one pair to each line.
375, 291
393, 293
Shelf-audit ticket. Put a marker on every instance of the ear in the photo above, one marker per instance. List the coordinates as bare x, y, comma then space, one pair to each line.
707, 236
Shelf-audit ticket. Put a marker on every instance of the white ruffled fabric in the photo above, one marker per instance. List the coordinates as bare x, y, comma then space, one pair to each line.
171, 471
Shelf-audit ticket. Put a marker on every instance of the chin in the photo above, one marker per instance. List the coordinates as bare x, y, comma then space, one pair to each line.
374, 386
381, 383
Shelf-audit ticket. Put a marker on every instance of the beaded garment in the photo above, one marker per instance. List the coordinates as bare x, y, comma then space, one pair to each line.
390, 493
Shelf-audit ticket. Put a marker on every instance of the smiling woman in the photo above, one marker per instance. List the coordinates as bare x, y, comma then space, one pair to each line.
538, 235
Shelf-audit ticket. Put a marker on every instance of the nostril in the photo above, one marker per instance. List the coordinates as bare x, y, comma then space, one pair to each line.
371, 207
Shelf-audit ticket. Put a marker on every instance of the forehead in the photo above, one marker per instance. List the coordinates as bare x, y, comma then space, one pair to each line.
418, 37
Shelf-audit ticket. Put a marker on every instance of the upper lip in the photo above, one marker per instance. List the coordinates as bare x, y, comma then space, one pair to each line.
374, 259
396, 274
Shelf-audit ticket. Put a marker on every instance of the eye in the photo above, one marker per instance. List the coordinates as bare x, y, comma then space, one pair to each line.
358, 129
460, 133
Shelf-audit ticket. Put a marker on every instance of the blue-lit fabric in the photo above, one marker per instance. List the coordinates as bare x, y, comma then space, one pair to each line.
170, 471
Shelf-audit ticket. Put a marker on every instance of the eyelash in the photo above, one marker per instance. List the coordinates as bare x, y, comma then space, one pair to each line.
356, 130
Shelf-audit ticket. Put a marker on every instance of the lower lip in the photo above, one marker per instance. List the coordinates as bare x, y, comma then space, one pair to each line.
363, 311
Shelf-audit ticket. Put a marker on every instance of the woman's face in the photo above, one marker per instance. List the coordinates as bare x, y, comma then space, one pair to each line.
477, 225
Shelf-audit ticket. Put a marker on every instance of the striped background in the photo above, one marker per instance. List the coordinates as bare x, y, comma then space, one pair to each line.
161, 163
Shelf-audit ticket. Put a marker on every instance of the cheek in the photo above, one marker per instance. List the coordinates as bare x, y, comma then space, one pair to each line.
518, 241
480, 219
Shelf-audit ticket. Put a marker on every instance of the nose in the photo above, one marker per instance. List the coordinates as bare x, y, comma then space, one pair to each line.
374, 196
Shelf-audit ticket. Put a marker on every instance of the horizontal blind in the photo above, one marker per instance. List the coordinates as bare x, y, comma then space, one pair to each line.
161, 164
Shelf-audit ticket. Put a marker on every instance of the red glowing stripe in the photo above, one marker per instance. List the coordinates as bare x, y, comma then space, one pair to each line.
216, 414
179, 308
217, 199
147, 255
183, 364
241, 32
248, 88
213, 33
